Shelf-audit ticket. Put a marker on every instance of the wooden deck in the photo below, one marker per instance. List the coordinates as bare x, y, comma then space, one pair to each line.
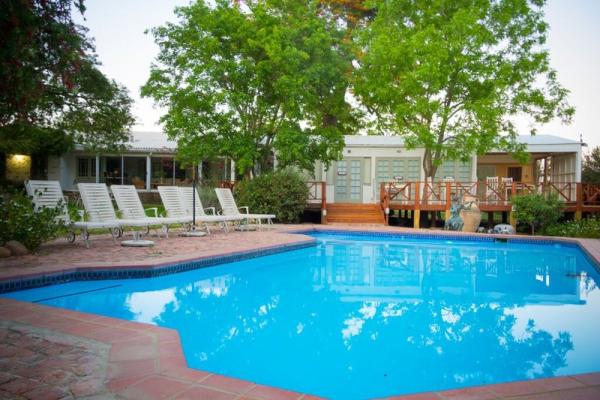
417, 197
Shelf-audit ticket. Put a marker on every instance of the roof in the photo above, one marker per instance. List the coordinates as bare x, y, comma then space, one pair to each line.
363, 140
158, 141
151, 141
545, 139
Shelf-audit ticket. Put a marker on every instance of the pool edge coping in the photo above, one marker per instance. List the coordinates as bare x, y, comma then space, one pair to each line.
147, 270
464, 236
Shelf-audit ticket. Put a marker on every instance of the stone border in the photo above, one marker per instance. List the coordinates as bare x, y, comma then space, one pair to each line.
465, 236
140, 271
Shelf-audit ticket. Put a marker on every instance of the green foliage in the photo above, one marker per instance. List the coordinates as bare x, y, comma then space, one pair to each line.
208, 196
590, 172
244, 81
538, 210
283, 193
19, 222
449, 75
51, 92
585, 228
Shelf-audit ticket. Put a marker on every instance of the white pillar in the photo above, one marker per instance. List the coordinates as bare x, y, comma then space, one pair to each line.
474, 169
232, 170
375, 189
149, 171
97, 168
173, 172
199, 170
578, 160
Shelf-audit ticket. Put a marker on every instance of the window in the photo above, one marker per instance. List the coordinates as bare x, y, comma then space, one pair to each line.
83, 165
457, 170
515, 173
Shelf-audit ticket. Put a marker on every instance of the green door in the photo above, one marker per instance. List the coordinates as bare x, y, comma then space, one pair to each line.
396, 169
348, 181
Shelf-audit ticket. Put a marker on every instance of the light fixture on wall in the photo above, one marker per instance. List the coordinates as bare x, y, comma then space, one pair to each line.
19, 158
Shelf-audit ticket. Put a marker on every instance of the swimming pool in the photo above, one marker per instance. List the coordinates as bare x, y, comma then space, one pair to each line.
360, 316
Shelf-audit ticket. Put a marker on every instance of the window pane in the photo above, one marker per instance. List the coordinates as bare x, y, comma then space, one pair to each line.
82, 166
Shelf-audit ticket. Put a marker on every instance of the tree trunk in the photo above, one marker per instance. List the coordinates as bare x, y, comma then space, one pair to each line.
429, 167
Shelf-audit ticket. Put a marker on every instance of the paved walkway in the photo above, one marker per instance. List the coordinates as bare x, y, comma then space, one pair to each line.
51, 353
39, 363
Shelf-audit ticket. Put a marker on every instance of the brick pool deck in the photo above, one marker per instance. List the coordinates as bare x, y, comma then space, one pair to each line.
52, 353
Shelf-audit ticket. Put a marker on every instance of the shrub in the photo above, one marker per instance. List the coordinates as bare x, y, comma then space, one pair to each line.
282, 192
19, 222
538, 210
208, 197
585, 228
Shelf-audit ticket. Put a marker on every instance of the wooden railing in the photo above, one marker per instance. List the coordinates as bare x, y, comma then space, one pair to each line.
438, 195
317, 194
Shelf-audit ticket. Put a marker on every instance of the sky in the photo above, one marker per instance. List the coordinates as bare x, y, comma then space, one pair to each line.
126, 53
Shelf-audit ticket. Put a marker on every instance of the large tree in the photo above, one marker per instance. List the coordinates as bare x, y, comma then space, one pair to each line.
52, 93
244, 81
590, 172
451, 75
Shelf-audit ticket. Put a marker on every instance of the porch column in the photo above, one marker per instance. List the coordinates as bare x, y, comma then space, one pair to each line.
474, 169
149, 171
97, 168
199, 171
173, 172
578, 166
232, 172
374, 189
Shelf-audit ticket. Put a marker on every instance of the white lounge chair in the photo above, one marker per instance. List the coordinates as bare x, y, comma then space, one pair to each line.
131, 207
185, 193
230, 208
49, 194
492, 189
99, 207
175, 206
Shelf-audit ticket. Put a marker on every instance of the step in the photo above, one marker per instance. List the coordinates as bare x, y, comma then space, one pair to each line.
354, 213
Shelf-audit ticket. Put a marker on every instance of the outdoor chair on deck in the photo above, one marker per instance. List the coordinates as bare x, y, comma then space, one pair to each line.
230, 208
131, 207
48, 194
507, 187
492, 189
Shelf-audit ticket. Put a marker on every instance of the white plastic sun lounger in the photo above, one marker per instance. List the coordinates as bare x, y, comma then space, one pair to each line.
230, 208
98, 206
186, 192
131, 207
171, 197
49, 194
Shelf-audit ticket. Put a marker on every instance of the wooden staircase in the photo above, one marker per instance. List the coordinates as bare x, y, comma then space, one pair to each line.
354, 213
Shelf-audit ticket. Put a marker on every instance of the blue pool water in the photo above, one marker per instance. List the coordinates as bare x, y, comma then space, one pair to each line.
358, 317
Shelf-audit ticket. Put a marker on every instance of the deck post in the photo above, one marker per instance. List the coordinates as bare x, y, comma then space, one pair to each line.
323, 203
384, 203
579, 204
417, 210
448, 201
